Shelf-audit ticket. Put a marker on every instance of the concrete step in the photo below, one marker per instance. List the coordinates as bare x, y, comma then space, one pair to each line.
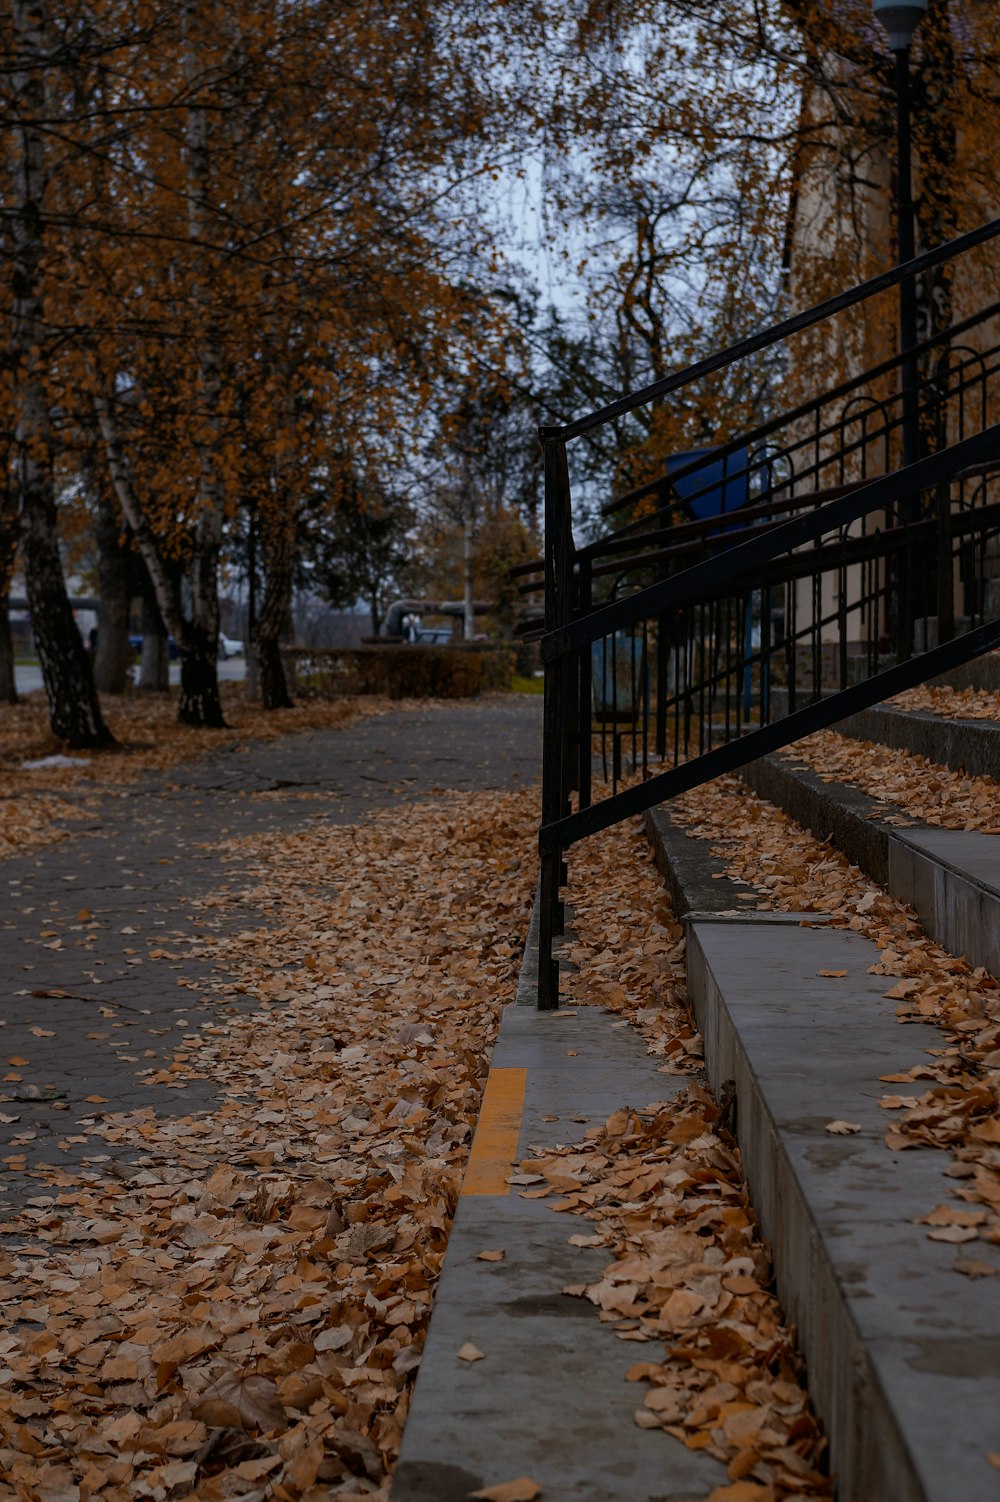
549, 1400
982, 672
903, 1351
971, 746
951, 877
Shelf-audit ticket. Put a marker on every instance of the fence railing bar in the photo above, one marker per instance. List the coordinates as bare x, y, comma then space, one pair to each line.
737, 559
777, 332
819, 715
795, 414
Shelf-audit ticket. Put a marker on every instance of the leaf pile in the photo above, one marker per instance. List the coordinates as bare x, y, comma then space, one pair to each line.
690, 1277
949, 1100
922, 789
27, 822
242, 1315
950, 703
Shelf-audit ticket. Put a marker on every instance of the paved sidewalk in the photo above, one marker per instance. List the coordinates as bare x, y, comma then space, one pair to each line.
99, 976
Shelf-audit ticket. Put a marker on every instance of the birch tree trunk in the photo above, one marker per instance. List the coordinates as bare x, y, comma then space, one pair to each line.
277, 527
8, 554
74, 709
200, 703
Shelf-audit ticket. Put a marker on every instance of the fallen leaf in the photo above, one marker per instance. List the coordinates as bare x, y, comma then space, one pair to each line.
832, 974
975, 1267
953, 1233
240, 1401
491, 1256
521, 1490
842, 1128
469, 1352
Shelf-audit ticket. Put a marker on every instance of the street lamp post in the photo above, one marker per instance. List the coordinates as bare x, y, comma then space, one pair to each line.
901, 21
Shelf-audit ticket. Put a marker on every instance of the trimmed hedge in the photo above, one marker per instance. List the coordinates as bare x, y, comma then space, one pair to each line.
399, 672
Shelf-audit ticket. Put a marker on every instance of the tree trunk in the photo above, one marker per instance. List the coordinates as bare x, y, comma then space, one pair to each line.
250, 644
277, 535
8, 557
74, 710
154, 664
468, 597
200, 703
8, 685
114, 587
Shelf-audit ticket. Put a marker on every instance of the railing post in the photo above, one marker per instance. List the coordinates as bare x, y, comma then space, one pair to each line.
585, 693
558, 612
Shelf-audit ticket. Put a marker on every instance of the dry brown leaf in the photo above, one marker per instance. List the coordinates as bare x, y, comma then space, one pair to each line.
953, 1234
495, 1255
523, 1489
241, 1401
470, 1352
975, 1267
842, 1128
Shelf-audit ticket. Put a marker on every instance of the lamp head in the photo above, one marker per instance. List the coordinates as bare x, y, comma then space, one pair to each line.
900, 20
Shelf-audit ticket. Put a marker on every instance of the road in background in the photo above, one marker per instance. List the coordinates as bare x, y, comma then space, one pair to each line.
29, 676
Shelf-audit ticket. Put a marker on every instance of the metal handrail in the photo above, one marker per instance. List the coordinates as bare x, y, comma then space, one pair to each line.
795, 414
743, 557
713, 640
774, 334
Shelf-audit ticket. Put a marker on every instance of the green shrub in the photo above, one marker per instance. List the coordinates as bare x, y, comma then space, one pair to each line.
400, 672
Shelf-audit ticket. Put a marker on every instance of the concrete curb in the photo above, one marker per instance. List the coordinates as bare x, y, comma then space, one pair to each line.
549, 1400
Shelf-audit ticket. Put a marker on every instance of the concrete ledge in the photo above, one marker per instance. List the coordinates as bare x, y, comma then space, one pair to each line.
549, 1400
903, 1352
982, 672
689, 871
950, 877
971, 746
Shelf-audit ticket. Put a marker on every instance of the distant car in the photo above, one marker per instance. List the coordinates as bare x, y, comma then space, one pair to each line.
228, 647
173, 650
433, 636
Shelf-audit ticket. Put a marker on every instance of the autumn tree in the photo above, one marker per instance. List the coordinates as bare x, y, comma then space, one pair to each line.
359, 546
265, 248
32, 43
718, 166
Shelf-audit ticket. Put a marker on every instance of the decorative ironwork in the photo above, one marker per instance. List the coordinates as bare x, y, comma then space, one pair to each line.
769, 586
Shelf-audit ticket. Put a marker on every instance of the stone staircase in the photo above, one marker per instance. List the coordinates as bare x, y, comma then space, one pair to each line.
902, 1348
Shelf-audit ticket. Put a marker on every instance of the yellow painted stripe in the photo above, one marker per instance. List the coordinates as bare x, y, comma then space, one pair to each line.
494, 1147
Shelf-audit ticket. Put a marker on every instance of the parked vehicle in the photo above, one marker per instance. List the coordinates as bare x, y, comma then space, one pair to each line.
173, 650
229, 647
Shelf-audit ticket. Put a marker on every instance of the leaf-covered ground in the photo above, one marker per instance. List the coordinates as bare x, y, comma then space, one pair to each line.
243, 1315
951, 703
39, 804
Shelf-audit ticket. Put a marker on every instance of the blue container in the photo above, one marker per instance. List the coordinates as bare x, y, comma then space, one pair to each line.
714, 487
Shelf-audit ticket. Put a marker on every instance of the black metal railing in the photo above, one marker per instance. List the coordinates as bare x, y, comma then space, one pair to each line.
769, 586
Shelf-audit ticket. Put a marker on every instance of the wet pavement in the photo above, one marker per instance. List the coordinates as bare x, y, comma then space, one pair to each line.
102, 970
